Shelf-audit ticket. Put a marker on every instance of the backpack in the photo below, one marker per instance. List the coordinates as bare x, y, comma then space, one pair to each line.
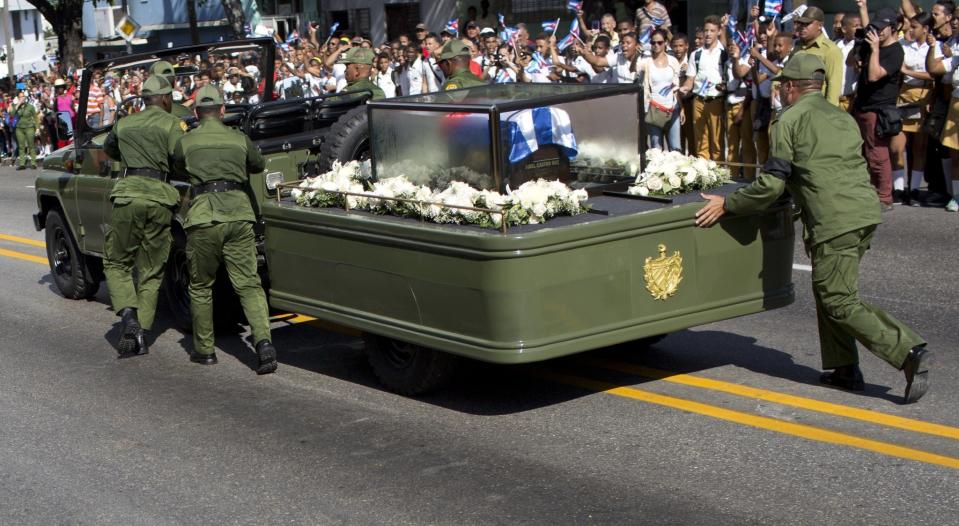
723, 57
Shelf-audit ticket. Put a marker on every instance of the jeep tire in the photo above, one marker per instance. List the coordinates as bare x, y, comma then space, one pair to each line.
76, 275
347, 140
406, 368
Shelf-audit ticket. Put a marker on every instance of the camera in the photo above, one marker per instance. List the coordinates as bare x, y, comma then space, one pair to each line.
860, 35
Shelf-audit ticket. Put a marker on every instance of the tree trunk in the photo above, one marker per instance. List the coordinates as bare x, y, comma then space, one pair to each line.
234, 15
70, 39
191, 15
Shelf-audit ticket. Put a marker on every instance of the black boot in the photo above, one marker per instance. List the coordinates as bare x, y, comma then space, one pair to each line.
846, 377
916, 369
267, 355
203, 359
142, 347
127, 346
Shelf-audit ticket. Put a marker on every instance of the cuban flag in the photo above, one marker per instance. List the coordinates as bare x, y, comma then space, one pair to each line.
508, 35
539, 60
503, 76
646, 36
773, 8
550, 27
334, 27
574, 5
731, 25
501, 19
704, 88
666, 91
656, 21
530, 129
453, 26
293, 36
533, 68
568, 40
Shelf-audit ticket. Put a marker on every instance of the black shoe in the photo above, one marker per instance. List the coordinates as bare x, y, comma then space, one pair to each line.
898, 196
267, 355
916, 369
33, 167
912, 198
142, 347
21, 167
203, 359
847, 377
936, 200
127, 346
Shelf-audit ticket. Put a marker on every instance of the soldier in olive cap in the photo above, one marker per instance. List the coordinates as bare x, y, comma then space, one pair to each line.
359, 65
25, 131
454, 59
143, 204
165, 69
218, 160
816, 155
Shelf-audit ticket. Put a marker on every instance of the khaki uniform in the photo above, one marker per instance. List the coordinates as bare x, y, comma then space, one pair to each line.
831, 55
220, 226
815, 154
139, 230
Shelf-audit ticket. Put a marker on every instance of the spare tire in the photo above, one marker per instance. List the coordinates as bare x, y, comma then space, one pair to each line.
347, 140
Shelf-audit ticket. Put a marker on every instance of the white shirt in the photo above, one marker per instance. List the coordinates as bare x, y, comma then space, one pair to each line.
385, 82
950, 64
709, 70
619, 67
736, 88
660, 81
915, 59
411, 78
584, 67
849, 75
434, 78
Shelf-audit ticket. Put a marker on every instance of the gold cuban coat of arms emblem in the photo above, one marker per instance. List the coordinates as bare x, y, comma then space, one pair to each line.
663, 274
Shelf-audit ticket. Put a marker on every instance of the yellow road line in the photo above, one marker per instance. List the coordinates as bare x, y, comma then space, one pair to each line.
865, 415
23, 240
318, 323
21, 255
761, 422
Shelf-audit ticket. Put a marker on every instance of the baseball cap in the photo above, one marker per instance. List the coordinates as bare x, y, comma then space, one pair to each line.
162, 67
471, 24
884, 18
803, 66
156, 85
453, 48
487, 31
358, 55
421, 27
812, 13
208, 96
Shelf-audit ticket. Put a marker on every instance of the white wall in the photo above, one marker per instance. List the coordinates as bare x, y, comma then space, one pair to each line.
29, 51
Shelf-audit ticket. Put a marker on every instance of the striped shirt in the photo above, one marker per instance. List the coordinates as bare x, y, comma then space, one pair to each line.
94, 99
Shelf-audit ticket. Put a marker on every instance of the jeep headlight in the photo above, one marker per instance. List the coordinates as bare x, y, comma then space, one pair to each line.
273, 179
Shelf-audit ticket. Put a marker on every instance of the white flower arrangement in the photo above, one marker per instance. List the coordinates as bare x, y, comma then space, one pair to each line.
670, 173
532, 203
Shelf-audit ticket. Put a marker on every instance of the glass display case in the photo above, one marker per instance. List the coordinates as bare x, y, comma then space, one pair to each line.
500, 135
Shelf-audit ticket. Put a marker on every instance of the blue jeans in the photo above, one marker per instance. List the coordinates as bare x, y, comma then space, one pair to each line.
672, 133
65, 117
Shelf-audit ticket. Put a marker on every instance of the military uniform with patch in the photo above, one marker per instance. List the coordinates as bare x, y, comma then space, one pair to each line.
165, 69
218, 160
464, 78
143, 204
25, 132
358, 55
815, 154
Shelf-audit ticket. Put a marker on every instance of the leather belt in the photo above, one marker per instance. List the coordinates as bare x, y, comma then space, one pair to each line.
216, 187
146, 172
708, 99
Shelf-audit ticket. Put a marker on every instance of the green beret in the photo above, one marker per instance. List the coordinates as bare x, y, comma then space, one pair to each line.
162, 67
453, 48
358, 55
208, 96
156, 85
803, 66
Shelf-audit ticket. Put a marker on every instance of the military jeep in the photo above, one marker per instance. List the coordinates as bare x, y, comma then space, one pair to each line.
425, 295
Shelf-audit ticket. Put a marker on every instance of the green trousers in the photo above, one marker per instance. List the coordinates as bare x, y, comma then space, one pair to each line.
233, 244
25, 146
844, 318
139, 235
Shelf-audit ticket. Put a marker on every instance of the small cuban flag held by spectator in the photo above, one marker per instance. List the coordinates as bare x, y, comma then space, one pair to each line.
533, 68
334, 27
530, 129
570, 38
501, 19
773, 8
508, 35
704, 88
293, 36
656, 21
503, 76
645, 37
540, 60
574, 5
453, 26
731, 25
550, 27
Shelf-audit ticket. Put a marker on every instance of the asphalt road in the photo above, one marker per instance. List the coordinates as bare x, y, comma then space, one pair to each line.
721, 424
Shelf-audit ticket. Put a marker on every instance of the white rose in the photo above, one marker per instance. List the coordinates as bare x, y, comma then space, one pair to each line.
675, 180
689, 178
654, 184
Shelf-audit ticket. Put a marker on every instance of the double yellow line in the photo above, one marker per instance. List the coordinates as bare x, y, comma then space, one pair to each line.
23, 255
771, 424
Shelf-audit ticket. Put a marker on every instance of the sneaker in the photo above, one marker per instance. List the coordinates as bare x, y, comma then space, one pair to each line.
952, 206
899, 197
914, 198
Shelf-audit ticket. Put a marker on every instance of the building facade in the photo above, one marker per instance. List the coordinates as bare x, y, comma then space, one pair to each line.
21, 35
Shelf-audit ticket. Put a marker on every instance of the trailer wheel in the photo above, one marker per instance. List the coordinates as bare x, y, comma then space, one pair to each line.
347, 140
176, 284
75, 274
406, 368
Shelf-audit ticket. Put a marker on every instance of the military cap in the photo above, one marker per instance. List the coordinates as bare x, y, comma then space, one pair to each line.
358, 55
812, 13
803, 66
208, 96
162, 67
156, 85
453, 48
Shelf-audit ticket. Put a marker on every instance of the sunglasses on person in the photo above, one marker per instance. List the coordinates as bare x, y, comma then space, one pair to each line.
657, 42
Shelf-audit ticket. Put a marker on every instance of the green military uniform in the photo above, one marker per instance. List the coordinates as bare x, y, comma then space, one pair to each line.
828, 51
25, 133
143, 203
816, 154
165, 69
218, 160
464, 78
358, 55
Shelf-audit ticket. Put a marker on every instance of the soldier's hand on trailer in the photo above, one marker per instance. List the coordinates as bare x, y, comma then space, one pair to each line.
714, 210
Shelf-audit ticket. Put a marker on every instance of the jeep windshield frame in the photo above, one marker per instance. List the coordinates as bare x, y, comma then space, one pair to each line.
265, 46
